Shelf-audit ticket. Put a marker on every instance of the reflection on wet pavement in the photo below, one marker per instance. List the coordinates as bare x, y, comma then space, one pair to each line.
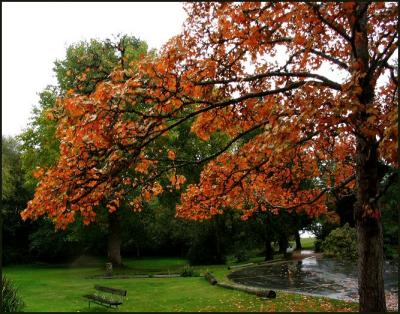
328, 277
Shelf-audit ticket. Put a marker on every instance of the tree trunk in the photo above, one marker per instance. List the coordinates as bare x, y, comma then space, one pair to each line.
269, 252
114, 240
218, 249
367, 215
298, 242
370, 265
369, 229
283, 244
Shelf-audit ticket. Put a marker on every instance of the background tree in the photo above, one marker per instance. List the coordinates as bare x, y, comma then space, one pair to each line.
39, 145
85, 65
89, 62
14, 198
10, 167
390, 220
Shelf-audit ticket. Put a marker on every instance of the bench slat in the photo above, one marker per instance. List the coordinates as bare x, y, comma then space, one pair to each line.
102, 300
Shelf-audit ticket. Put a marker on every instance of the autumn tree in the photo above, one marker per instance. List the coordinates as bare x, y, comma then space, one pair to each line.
259, 71
268, 62
269, 66
86, 64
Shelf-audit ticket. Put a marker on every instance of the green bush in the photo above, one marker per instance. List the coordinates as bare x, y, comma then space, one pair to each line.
11, 302
241, 255
188, 272
341, 243
318, 245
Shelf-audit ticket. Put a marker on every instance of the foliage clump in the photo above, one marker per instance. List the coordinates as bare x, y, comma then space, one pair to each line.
189, 271
241, 255
11, 301
341, 243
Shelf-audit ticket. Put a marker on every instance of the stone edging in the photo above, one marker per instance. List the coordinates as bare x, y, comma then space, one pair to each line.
134, 276
257, 264
234, 286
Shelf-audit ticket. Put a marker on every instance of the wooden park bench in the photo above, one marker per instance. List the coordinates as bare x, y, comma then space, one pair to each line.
104, 299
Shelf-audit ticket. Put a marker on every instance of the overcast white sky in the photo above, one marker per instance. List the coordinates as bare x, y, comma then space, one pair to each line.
35, 34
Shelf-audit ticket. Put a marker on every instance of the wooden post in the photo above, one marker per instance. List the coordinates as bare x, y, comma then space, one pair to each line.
109, 269
211, 279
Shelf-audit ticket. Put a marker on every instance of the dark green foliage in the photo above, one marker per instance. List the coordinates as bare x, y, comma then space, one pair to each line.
14, 199
12, 173
318, 245
241, 253
11, 301
341, 243
48, 245
208, 243
390, 209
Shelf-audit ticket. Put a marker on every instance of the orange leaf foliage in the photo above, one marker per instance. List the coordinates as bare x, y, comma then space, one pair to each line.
294, 130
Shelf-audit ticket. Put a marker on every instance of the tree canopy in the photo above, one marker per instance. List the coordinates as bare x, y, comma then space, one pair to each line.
243, 69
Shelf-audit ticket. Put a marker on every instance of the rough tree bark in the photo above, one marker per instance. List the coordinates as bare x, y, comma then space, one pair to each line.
114, 240
369, 231
367, 214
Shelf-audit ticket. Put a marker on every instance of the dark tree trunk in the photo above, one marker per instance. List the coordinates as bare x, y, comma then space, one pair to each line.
370, 265
369, 230
283, 244
269, 252
218, 244
298, 242
367, 214
114, 240
219, 249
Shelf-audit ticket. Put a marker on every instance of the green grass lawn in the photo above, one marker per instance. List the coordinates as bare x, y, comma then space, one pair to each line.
60, 289
307, 243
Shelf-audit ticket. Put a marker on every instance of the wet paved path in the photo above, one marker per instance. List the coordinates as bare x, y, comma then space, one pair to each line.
310, 273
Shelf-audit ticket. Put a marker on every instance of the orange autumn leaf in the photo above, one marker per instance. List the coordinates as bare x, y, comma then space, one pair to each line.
146, 195
171, 155
38, 172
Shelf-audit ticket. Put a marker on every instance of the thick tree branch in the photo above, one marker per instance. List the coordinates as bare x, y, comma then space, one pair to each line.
331, 24
323, 79
224, 149
330, 58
